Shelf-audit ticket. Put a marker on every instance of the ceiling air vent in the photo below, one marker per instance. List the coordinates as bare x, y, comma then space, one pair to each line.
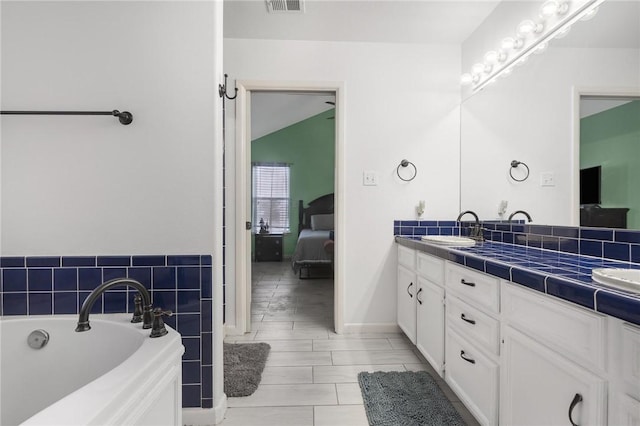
279, 6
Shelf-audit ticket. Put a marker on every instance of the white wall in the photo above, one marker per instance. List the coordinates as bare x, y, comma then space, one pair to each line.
89, 185
401, 101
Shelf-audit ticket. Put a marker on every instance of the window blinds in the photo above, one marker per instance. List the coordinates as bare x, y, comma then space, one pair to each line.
270, 190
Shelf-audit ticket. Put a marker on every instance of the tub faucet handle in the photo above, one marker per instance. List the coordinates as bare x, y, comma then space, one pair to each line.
158, 329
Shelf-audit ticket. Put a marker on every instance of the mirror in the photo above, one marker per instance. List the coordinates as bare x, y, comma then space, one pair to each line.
533, 116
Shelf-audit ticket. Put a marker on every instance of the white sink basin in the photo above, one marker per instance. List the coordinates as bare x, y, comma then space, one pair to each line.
449, 240
624, 279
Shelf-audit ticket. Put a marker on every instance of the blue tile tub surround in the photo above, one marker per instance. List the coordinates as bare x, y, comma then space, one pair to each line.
39, 285
563, 275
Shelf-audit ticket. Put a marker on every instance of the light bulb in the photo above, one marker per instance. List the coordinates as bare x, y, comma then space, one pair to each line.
494, 56
541, 47
562, 33
549, 8
589, 15
478, 68
466, 79
527, 27
512, 43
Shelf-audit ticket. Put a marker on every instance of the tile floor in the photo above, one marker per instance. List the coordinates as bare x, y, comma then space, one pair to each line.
310, 378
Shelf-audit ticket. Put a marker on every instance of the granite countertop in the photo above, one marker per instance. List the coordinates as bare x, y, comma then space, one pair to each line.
563, 275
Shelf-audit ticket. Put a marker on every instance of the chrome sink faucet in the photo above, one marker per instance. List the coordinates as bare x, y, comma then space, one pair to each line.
147, 314
476, 230
520, 211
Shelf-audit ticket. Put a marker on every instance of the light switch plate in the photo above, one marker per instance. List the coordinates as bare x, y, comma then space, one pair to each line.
547, 179
370, 178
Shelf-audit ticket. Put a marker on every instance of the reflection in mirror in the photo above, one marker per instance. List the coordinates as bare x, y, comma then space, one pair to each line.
533, 116
609, 161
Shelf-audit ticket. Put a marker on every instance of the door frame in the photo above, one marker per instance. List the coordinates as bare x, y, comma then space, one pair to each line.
243, 193
578, 92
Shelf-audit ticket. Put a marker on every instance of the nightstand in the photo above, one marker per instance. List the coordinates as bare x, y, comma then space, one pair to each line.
268, 247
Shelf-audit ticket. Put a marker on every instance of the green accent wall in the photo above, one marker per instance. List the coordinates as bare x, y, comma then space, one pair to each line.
309, 146
611, 139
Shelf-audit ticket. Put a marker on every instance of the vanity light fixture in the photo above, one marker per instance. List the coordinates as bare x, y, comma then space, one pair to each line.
532, 37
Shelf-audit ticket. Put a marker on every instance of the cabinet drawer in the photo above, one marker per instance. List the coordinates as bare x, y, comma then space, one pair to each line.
431, 268
631, 358
473, 377
575, 332
473, 324
475, 288
406, 257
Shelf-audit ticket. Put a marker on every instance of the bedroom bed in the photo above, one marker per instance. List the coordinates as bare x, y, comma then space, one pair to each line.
313, 255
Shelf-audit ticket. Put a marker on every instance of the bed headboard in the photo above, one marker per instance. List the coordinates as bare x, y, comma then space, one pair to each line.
321, 205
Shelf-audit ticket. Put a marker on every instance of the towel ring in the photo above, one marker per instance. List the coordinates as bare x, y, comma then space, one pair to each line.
515, 164
405, 163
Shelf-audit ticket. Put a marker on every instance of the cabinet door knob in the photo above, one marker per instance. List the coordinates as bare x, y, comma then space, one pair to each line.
576, 400
408, 292
464, 318
418, 296
470, 284
472, 361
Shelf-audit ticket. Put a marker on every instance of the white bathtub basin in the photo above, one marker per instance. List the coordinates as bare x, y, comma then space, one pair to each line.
112, 374
624, 279
449, 240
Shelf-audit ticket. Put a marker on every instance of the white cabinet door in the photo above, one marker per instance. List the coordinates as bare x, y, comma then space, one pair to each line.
540, 387
430, 322
624, 411
407, 288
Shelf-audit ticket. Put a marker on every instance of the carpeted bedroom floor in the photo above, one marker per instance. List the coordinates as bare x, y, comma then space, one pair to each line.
311, 374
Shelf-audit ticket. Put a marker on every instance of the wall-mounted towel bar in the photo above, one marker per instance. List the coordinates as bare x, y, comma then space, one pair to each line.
125, 117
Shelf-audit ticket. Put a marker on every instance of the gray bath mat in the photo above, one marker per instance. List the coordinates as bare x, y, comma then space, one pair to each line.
243, 365
405, 398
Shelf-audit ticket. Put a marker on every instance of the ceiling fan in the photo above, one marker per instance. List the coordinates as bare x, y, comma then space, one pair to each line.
334, 104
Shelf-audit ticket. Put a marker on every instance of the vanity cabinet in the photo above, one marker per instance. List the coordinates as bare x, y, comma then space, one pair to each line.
552, 362
420, 303
515, 356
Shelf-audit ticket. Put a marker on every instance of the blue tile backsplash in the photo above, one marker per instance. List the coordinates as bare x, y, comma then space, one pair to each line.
45, 285
556, 260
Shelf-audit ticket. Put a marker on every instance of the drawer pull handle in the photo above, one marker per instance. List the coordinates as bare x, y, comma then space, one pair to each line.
472, 361
418, 296
408, 292
464, 318
470, 284
576, 400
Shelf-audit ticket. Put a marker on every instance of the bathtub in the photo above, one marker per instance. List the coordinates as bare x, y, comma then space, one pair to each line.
113, 374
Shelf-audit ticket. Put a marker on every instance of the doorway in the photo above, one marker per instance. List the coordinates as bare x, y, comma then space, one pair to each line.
605, 158
245, 229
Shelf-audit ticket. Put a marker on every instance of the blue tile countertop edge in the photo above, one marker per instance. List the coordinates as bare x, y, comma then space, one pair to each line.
561, 275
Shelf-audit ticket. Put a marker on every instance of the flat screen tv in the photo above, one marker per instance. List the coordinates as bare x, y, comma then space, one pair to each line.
590, 185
